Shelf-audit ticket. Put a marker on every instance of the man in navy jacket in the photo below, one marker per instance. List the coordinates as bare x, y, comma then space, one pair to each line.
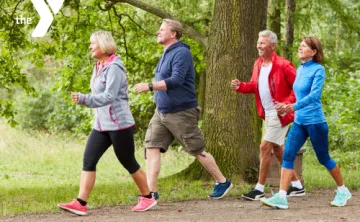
177, 112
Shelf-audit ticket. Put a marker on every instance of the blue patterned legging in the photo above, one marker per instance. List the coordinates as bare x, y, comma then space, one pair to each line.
298, 135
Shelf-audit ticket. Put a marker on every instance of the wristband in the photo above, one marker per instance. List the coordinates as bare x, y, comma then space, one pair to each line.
150, 86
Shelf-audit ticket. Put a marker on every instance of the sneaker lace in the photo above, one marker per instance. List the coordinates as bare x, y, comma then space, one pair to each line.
340, 196
216, 188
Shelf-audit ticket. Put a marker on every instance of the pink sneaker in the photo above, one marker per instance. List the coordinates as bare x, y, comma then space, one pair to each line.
74, 207
144, 203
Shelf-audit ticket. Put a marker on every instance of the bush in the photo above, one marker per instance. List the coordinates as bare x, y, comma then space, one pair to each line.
50, 112
142, 107
33, 110
341, 106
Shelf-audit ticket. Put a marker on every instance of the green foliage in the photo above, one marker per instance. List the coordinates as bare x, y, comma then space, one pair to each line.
48, 111
7, 111
142, 107
341, 105
12, 39
34, 110
339, 36
66, 117
66, 45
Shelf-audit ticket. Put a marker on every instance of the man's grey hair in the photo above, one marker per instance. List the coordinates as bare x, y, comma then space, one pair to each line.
267, 33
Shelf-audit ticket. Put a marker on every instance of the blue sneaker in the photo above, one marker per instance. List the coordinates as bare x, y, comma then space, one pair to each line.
341, 198
221, 189
276, 202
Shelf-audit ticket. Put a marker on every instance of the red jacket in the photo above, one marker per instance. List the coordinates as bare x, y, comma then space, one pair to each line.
281, 79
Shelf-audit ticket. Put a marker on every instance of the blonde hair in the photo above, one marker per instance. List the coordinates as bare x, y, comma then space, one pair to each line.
175, 27
105, 40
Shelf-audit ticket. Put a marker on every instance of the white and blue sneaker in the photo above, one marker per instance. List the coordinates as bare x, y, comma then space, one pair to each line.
341, 198
276, 202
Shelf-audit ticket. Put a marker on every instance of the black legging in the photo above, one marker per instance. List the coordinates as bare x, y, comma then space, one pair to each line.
123, 143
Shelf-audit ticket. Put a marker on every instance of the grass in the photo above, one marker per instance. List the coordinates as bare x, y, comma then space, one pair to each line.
39, 170
317, 176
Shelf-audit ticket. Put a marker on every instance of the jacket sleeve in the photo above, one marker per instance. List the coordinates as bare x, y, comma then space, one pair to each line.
248, 87
180, 65
315, 91
114, 78
290, 75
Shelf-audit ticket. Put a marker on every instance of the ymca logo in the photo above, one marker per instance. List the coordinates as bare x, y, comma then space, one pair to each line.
46, 17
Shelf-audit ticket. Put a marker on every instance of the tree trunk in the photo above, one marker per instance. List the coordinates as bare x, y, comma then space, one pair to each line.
201, 97
231, 126
290, 6
274, 20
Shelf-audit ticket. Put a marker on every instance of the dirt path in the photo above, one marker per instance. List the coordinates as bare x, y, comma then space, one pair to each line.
314, 206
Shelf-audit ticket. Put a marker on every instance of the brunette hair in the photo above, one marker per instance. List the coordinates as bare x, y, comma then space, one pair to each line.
315, 43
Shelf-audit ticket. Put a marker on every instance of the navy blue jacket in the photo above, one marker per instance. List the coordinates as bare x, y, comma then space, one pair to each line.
176, 68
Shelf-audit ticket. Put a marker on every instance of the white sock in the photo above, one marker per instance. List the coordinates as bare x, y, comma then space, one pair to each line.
342, 188
282, 194
260, 187
297, 184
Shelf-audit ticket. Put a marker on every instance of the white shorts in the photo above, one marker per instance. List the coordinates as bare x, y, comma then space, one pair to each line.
274, 132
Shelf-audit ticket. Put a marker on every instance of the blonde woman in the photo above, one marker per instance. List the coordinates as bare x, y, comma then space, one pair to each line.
113, 124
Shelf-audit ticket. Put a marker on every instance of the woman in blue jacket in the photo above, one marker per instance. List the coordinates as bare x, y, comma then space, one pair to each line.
309, 122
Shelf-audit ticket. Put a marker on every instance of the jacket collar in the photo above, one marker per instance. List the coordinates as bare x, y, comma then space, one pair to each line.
110, 60
308, 63
177, 44
273, 58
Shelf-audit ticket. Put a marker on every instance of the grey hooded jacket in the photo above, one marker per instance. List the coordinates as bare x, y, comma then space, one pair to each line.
109, 97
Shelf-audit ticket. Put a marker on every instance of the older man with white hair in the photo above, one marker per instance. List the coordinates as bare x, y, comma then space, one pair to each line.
271, 82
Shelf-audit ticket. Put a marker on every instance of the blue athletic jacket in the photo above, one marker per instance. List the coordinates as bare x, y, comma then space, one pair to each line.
308, 85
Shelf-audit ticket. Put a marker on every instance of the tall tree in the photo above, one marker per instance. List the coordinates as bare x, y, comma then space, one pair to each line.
273, 19
290, 6
231, 125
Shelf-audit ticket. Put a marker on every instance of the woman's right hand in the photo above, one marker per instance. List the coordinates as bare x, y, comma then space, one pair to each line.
75, 97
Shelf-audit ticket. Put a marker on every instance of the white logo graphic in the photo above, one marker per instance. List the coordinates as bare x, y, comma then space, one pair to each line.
46, 17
